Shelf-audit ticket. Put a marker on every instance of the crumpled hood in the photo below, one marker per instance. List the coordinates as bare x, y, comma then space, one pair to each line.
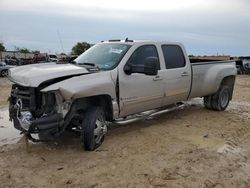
35, 74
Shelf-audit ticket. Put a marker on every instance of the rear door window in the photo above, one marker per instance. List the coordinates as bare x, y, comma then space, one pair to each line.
173, 56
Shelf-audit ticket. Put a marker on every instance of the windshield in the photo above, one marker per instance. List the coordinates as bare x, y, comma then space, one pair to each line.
105, 55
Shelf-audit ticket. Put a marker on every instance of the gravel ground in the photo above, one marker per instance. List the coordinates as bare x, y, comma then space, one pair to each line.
191, 147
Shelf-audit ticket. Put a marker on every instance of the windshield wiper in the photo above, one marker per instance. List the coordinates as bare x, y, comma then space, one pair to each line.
90, 66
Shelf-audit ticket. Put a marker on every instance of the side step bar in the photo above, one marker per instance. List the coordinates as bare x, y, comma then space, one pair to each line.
148, 114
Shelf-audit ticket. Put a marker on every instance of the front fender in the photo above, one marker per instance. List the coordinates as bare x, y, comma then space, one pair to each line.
85, 85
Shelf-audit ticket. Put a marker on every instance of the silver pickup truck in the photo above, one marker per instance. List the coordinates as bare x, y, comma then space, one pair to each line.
111, 82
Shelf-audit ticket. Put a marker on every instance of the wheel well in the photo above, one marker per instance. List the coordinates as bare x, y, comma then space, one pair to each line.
105, 102
80, 105
229, 81
4, 70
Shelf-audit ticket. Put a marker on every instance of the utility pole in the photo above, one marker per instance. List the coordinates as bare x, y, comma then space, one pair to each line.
60, 40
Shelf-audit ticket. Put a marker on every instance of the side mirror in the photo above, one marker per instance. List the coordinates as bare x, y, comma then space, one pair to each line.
128, 68
151, 66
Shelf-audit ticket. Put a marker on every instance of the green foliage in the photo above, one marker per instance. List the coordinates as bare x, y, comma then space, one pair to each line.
22, 50
80, 47
2, 48
35, 51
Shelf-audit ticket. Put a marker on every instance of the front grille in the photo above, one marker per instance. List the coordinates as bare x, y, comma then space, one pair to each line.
26, 94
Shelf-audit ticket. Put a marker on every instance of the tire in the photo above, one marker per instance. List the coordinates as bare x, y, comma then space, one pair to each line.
207, 102
220, 100
94, 128
4, 73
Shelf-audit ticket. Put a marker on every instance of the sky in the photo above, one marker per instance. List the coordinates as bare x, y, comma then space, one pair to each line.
205, 27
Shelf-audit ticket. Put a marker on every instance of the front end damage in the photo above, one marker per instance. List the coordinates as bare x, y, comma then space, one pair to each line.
36, 112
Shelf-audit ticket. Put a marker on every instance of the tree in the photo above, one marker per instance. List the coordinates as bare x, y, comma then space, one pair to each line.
80, 47
2, 48
35, 51
22, 50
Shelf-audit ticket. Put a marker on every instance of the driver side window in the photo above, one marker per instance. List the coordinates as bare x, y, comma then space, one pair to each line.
142, 53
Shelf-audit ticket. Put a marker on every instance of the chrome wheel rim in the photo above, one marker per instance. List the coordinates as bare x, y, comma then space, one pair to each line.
100, 130
224, 98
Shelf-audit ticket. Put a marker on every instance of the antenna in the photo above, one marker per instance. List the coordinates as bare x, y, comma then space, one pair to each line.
128, 40
60, 40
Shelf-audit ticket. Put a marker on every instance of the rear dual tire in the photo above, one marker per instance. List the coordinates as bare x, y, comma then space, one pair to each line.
220, 100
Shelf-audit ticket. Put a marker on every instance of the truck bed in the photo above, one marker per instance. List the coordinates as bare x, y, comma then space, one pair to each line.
207, 76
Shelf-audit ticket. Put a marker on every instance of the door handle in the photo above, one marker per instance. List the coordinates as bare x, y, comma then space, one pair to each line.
185, 74
156, 78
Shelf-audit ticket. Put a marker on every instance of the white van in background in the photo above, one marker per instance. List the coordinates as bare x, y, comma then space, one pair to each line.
53, 58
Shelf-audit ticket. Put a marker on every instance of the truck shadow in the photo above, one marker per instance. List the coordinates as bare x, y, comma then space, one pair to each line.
71, 139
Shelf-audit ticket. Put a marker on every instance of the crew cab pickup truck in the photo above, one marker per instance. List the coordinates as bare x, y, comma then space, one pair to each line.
111, 82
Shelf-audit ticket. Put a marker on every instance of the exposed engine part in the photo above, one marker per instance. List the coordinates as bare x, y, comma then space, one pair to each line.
61, 106
24, 117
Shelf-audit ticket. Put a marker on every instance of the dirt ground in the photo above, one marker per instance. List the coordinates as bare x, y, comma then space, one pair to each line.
5, 87
190, 147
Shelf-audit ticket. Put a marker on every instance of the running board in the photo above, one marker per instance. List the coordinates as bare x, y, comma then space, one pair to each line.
148, 114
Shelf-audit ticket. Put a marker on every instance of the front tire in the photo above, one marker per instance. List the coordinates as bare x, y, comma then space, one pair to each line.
94, 128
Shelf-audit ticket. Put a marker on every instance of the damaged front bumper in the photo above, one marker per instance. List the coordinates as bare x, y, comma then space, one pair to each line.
51, 122
28, 117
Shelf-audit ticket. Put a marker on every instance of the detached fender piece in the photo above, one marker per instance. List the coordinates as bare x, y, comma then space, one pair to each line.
85, 86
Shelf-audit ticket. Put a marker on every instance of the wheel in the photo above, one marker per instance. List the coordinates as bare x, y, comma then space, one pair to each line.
94, 128
220, 100
207, 102
4, 73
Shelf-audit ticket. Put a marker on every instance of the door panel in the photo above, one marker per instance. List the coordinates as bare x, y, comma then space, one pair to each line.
140, 92
177, 75
177, 86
